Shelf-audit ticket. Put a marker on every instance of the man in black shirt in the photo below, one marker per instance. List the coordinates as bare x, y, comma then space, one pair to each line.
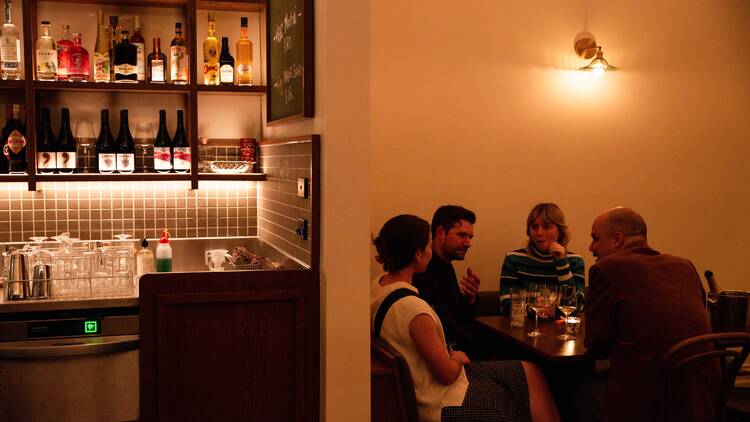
452, 232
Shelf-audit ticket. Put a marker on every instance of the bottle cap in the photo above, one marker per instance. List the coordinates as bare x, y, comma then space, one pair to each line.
243, 21
144, 243
164, 236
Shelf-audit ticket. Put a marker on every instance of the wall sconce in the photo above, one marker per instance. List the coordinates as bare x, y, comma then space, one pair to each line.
586, 48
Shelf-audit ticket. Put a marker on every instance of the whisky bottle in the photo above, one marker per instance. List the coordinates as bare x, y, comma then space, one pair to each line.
211, 54
66, 145
180, 147
244, 56
63, 54
101, 50
125, 145
46, 145
126, 61
10, 46
226, 63
105, 147
162, 146
179, 61
114, 38
157, 62
46, 55
79, 61
140, 45
15, 143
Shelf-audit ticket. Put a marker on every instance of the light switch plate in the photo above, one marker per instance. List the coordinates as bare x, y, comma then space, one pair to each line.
302, 187
301, 229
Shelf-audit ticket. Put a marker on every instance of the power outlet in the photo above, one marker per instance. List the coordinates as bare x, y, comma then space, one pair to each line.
301, 229
302, 187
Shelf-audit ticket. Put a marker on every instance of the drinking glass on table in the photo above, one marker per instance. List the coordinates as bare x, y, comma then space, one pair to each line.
537, 302
85, 138
567, 302
517, 306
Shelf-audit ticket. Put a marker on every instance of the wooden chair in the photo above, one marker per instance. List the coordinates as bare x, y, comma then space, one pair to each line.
730, 349
393, 397
489, 303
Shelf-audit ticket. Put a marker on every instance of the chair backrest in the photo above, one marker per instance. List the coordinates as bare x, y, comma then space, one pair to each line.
403, 385
729, 349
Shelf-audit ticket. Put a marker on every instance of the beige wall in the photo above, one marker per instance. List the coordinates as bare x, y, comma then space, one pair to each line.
476, 105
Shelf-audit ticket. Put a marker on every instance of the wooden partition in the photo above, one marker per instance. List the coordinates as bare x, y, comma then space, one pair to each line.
230, 346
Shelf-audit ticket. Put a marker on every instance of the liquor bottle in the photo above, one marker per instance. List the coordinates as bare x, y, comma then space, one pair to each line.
125, 145
4, 137
114, 38
179, 61
226, 63
63, 54
126, 61
66, 145
140, 45
79, 61
105, 147
101, 50
14, 146
46, 145
157, 62
162, 146
46, 55
211, 54
180, 147
10, 46
244, 56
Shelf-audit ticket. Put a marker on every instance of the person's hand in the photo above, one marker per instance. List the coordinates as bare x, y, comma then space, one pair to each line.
557, 250
459, 357
470, 285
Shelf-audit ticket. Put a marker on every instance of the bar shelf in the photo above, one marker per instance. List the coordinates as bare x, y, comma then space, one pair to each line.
253, 90
109, 87
97, 177
19, 84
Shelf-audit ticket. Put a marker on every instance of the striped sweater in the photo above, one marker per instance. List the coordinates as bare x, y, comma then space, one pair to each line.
524, 266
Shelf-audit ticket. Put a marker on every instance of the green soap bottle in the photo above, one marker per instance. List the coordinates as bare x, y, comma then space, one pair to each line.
164, 254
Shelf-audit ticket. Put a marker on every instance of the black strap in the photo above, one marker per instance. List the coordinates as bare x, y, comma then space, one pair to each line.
386, 304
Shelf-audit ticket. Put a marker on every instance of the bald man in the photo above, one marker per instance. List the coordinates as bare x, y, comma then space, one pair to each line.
641, 303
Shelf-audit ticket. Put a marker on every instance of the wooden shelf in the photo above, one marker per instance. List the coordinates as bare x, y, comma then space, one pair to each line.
12, 84
13, 178
133, 3
231, 6
96, 177
109, 87
243, 176
253, 90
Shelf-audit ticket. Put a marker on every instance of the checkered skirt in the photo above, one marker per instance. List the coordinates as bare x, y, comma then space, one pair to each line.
497, 392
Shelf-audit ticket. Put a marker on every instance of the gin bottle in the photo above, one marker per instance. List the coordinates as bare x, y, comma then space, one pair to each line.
79, 61
126, 61
46, 55
10, 46
64, 46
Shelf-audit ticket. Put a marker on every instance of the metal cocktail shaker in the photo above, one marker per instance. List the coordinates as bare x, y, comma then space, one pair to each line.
18, 280
41, 282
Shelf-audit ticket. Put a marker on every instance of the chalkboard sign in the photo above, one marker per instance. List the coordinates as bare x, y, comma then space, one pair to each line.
290, 42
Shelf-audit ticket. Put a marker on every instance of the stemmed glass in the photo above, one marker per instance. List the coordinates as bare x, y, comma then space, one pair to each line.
144, 140
567, 302
537, 302
85, 138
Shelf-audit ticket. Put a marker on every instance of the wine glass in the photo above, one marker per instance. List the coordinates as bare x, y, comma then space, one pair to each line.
144, 140
567, 302
537, 302
85, 138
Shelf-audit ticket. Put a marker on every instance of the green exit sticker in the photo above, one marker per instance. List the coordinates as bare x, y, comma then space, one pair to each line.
90, 327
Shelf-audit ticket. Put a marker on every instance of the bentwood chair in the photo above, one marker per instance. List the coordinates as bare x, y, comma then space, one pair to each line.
729, 349
393, 397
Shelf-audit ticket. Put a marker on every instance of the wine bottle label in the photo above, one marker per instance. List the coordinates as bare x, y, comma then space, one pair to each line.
107, 163
179, 63
9, 50
126, 163
45, 160
101, 67
46, 61
16, 142
162, 158
157, 70
66, 160
227, 74
181, 158
141, 61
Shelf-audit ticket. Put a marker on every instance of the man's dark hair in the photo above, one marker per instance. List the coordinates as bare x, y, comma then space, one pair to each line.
448, 216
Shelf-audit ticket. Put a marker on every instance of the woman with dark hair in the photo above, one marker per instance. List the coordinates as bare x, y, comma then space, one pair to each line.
448, 387
545, 258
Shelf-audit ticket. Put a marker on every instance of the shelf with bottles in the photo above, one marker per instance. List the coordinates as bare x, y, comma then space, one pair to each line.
232, 6
14, 84
109, 87
115, 177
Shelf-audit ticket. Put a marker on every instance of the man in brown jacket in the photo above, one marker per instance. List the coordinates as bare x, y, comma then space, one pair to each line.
641, 303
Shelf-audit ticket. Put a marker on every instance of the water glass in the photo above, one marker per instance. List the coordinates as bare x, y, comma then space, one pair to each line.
571, 326
517, 306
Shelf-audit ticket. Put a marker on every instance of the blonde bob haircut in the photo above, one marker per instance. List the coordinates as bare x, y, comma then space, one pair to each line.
549, 213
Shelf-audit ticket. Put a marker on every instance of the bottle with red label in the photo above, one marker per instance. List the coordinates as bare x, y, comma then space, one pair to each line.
162, 146
181, 161
14, 142
63, 54
4, 137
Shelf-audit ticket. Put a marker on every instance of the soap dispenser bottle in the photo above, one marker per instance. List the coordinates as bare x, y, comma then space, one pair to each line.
164, 254
144, 260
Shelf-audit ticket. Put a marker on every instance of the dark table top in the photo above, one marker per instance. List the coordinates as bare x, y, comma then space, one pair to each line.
547, 347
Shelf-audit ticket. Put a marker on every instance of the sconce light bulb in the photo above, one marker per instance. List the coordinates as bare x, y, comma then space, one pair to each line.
598, 71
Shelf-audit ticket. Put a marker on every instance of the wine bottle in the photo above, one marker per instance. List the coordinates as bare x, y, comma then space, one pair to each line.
101, 50
14, 146
46, 145
162, 146
4, 137
125, 144
156, 64
179, 60
244, 56
126, 61
140, 45
226, 63
105, 147
63, 54
46, 55
66, 148
180, 147
211, 54
10, 46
